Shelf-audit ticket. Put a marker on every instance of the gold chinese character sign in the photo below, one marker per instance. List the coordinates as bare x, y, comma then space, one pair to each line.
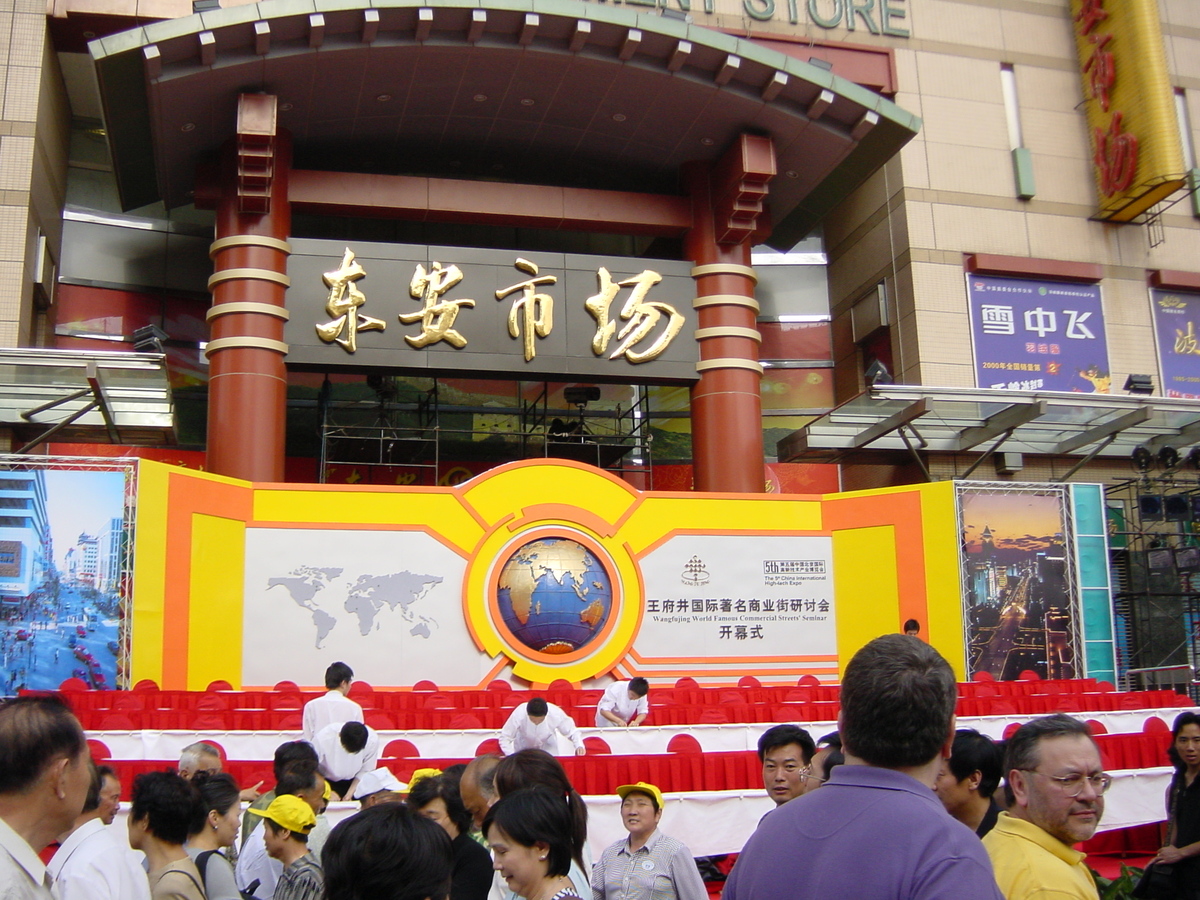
344, 301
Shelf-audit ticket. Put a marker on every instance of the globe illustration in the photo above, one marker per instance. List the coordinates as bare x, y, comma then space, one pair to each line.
554, 595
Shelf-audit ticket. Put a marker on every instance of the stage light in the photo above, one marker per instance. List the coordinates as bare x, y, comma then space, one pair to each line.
1142, 458
1192, 461
1168, 458
1139, 384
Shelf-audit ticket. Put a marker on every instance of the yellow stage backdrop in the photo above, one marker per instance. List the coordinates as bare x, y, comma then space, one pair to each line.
534, 571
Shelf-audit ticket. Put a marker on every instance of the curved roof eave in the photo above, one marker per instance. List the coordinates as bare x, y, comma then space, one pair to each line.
627, 96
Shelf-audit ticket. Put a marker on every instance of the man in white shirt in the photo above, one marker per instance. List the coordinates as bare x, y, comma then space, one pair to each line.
44, 778
344, 753
624, 704
537, 725
335, 706
90, 864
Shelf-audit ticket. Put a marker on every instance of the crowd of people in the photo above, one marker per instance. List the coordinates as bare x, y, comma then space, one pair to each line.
896, 803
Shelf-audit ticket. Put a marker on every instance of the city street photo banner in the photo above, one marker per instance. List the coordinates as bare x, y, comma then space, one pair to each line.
1175, 319
1038, 335
1019, 599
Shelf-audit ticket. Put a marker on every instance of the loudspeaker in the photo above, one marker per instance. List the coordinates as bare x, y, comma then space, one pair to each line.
1150, 506
1177, 508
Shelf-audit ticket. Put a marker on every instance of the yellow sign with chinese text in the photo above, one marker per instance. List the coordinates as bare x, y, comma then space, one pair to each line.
1129, 103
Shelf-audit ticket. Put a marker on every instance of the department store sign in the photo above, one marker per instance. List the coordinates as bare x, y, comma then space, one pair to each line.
1176, 321
451, 309
1038, 335
882, 17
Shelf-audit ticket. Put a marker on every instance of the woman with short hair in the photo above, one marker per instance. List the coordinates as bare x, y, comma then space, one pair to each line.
387, 852
163, 811
529, 831
436, 797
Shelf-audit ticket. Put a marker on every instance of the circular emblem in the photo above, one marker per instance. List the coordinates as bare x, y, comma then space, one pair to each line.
648, 865
554, 595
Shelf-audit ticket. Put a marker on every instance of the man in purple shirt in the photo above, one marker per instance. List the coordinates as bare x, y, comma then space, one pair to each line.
875, 830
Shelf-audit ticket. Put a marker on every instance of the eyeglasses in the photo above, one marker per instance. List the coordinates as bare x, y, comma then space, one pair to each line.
1072, 785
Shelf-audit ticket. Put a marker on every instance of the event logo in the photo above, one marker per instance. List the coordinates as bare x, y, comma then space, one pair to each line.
694, 572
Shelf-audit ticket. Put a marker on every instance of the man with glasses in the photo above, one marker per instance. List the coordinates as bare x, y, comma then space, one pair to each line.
786, 753
1055, 788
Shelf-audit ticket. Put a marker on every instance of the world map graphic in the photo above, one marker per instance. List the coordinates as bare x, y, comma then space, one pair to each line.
326, 596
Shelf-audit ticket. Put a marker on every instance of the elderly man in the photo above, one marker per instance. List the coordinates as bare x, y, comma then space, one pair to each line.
44, 779
1055, 785
969, 778
875, 830
647, 864
536, 725
204, 757
345, 753
334, 706
477, 787
786, 753
624, 704
89, 863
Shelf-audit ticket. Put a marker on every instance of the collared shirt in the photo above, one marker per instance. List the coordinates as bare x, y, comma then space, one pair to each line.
868, 833
301, 880
333, 707
336, 763
521, 734
23, 876
1033, 865
616, 700
254, 864
91, 865
661, 869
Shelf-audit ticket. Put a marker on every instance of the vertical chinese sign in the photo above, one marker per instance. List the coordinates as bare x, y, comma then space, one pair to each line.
1038, 335
1129, 103
1176, 317
1020, 606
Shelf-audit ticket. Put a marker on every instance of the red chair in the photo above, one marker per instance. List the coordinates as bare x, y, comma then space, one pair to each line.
491, 747
286, 721
99, 750
379, 720
211, 702
286, 701
402, 749
71, 685
683, 743
1155, 725
127, 702
687, 683
982, 675
464, 722
146, 684
710, 716
808, 681
425, 686
1096, 727
289, 686
561, 684
1105, 686
117, 722
499, 684
219, 686
597, 746
439, 701
1010, 729
749, 681
209, 723
1029, 675
362, 693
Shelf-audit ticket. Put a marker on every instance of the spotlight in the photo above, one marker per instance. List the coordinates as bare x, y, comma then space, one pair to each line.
1139, 384
581, 395
1168, 458
148, 339
877, 373
1193, 458
1142, 458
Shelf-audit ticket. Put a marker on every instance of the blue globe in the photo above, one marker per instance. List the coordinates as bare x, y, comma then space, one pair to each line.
554, 595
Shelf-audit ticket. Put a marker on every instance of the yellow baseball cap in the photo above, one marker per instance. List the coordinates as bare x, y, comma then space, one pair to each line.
421, 775
289, 812
641, 787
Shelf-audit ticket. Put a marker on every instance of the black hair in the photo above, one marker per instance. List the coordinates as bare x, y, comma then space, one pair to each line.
91, 802
353, 736
781, 736
292, 751
639, 686
170, 806
834, 758
536, 815
218, 792
912, 625
427, 790
537, 707
278, 829
455, 771
898, 697
1021, 750
298, 776
526, 768
34, 733
1184, 718
833, 739
974, 752
337, 675
387, 852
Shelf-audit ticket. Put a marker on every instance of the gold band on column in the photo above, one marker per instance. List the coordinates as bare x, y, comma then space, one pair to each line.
703, 334
725, 300
266, 309
248, 240
728, 362
248, 274
245, 343
725, 269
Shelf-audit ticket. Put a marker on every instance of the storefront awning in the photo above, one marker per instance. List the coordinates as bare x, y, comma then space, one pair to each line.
961, 420
89, 396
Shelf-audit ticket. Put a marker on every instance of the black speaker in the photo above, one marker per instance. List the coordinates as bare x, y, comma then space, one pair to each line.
1150, 506
1187, 559
1160, 559
1177, 508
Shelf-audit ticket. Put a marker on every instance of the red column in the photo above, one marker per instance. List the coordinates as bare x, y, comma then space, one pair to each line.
726, 406
247, 387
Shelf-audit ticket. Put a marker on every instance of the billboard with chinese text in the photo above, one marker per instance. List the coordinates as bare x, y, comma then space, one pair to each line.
1020, 605
525, 314
1038, 335
1175, 319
